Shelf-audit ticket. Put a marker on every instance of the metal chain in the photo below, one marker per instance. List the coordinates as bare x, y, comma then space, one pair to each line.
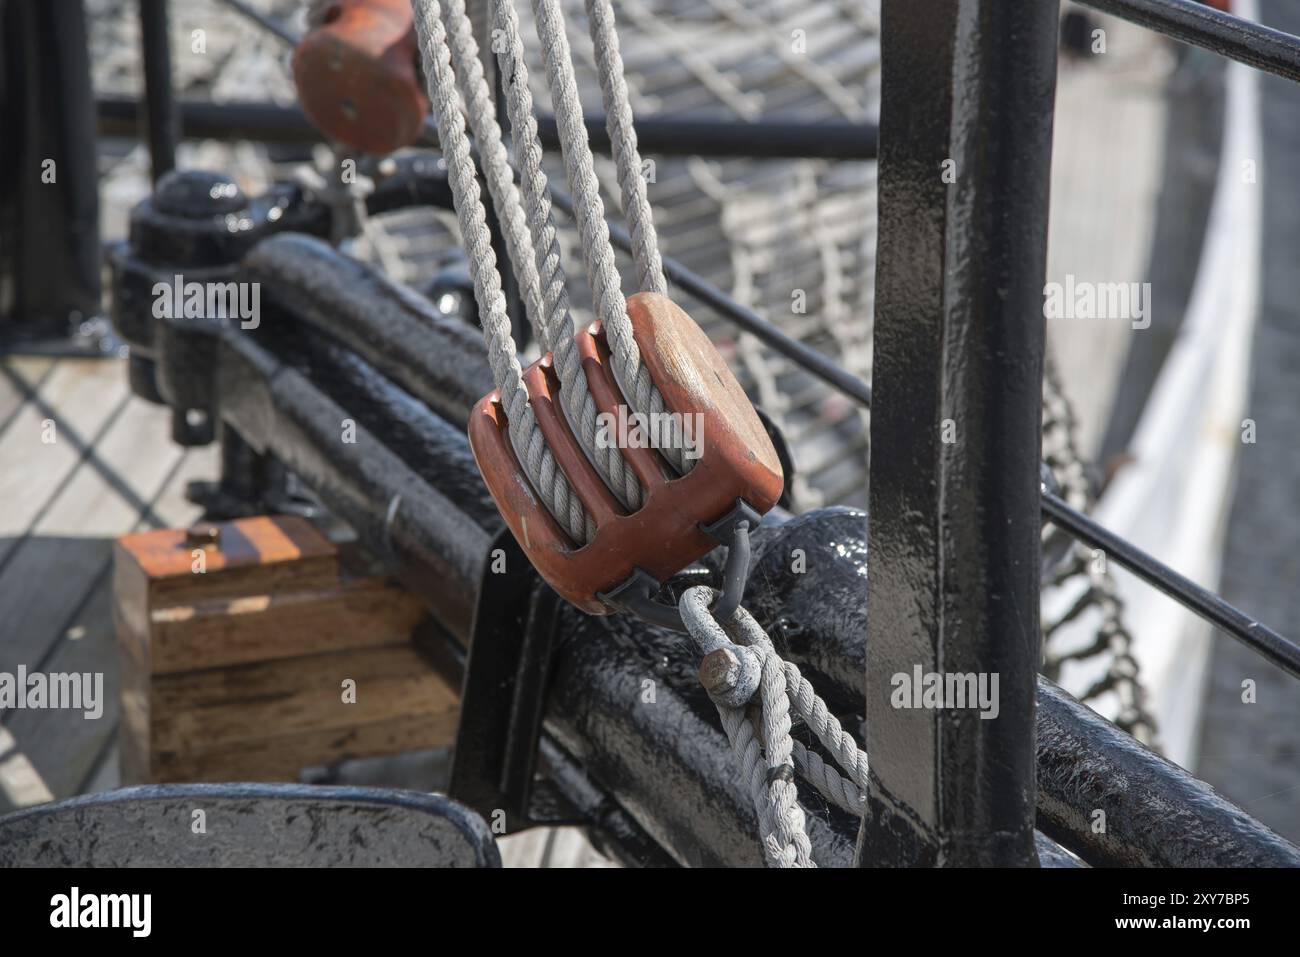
1061, 453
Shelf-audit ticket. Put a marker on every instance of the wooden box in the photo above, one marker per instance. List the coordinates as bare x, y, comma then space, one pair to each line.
247, 656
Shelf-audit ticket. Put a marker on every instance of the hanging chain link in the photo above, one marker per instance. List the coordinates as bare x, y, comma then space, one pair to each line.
1061, 453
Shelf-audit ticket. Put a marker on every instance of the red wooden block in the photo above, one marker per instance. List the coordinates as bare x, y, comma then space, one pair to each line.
736, 460
356, 75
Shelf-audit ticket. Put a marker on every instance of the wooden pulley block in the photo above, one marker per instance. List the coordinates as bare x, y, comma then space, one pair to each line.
733, 459
357, 77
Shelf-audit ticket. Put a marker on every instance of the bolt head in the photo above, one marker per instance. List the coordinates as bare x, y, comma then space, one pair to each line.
204, 533
719, 671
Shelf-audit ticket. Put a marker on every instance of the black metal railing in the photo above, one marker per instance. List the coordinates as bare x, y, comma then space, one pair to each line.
1211, 29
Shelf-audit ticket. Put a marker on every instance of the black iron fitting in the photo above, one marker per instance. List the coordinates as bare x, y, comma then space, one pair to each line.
637, 595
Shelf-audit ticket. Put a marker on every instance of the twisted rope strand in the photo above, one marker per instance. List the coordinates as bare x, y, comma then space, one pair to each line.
833, 786
556, 332
525, 436
629, 371
622, 137
479, 108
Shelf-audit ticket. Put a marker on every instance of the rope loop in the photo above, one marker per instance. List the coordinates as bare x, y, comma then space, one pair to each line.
755, 692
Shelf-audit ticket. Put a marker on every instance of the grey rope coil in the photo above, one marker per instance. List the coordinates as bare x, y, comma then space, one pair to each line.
556, 326
589, 211
525, 436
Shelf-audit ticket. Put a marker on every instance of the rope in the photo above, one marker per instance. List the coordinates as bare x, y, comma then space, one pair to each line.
622, 137
830, 783
760, 737
481, 113
556, 326
589, 212
525, 436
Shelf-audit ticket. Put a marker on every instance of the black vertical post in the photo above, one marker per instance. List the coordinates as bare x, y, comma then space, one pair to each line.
49, 186
965, 156
161, 118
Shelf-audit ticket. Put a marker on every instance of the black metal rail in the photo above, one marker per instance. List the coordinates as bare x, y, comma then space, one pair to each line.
162, 124
1272, 646
957, 424
1203, 26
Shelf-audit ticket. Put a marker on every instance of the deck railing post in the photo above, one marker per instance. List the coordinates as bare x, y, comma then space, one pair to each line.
49, 207
953, 633
162, 118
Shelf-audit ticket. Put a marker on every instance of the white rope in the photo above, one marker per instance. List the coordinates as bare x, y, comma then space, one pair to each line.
833, 786
762, 740
481, 113
556, 324
622, 138
589, 212
525, 436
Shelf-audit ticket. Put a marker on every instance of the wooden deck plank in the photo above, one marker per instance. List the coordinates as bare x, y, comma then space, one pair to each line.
70, 544
80, 396
72, 538
137, 457
29, 371
170, 508
551, 847
107, 775
64, 745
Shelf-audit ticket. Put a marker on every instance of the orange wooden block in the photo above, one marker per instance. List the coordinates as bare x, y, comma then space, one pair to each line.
236, 639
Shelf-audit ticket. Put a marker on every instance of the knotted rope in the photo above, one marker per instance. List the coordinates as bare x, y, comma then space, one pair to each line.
740, 662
